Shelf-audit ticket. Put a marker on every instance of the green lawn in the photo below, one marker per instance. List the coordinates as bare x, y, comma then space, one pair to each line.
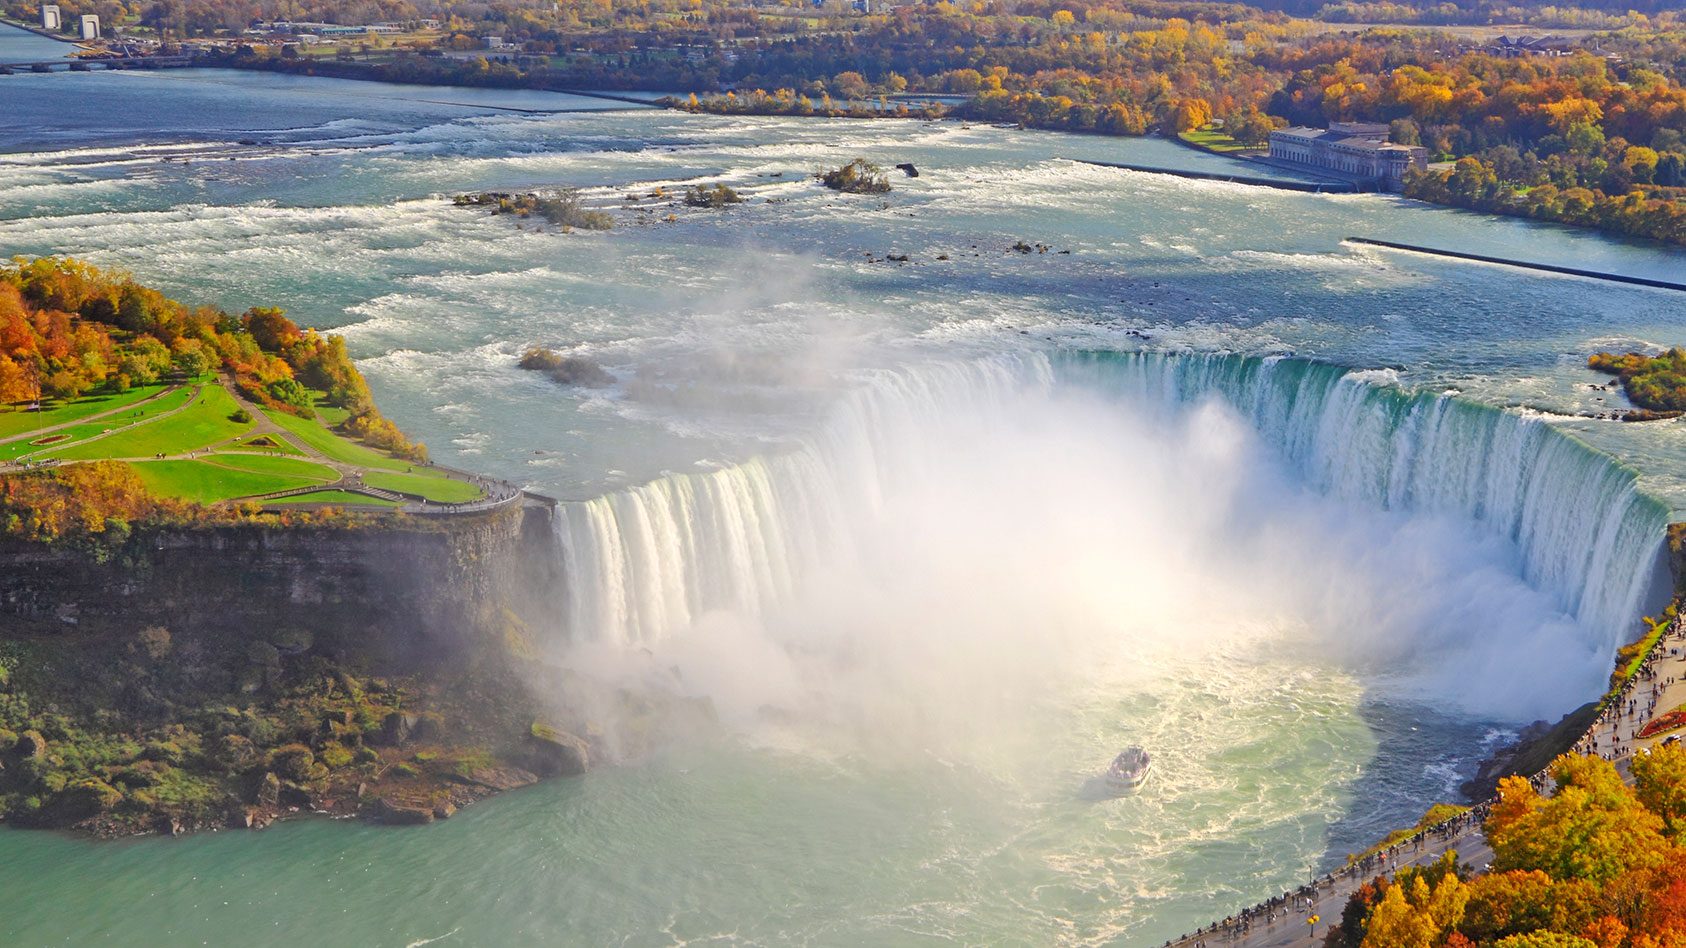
272, 442
207, 483
1213, 140
275, 465
88, 429
203, 423
329, 415
333, 497
434, 486
14, 422
314, 434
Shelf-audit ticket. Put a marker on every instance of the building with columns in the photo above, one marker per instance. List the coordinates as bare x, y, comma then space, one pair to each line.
1355, 149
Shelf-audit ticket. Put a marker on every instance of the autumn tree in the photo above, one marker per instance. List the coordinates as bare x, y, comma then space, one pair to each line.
1660, 782
1593, 828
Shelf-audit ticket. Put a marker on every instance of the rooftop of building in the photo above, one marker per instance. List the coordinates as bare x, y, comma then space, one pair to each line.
1355, 135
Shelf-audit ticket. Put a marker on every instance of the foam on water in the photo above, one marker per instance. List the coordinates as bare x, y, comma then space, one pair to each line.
660, 559
1278, 574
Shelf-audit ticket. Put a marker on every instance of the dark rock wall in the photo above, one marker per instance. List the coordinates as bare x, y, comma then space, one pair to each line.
400, 596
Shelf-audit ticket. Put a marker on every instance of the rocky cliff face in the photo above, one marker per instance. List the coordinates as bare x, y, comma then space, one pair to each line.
400, 596
229, 675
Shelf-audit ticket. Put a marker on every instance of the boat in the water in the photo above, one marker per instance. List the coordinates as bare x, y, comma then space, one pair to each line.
1129, 770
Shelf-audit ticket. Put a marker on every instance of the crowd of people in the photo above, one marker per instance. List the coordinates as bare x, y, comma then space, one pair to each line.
1636, 704
1631, 707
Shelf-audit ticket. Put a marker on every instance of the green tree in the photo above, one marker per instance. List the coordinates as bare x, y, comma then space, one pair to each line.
1510, 903
192, 362
1592, 828
1660, 782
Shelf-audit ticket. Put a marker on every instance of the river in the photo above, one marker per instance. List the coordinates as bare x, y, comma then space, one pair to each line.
934, 538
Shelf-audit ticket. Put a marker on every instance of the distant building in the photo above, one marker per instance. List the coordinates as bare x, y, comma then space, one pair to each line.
90, 27
50, 19
1530, 46
1351, 148
330, 29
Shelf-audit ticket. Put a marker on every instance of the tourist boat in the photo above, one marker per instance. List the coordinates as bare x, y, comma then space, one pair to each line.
1129, 770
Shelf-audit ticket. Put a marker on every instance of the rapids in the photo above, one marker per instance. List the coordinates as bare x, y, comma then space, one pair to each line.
1317, 524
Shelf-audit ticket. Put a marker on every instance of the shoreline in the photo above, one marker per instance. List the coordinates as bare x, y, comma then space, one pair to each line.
1325, 895
38, 31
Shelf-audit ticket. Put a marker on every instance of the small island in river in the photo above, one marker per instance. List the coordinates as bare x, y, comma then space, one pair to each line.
1657, 384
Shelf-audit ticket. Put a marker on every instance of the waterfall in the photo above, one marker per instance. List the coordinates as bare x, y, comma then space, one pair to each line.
643, 561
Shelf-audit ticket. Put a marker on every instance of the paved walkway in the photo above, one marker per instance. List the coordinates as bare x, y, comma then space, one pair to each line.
1659, 686
24, 463
348, 476
34, 433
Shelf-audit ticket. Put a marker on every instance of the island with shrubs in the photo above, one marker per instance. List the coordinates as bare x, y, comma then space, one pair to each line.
563, 207
1656, 384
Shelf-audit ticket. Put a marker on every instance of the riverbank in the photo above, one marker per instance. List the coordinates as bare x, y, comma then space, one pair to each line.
58, 37
1610, 728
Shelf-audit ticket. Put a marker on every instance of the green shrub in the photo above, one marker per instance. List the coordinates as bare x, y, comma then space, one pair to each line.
292, 762
164, 753
1656, 383
335, 756
718, 195
857, 177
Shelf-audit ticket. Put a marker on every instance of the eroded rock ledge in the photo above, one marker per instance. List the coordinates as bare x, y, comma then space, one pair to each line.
232, 675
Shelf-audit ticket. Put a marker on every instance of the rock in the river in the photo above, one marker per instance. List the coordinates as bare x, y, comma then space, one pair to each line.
497, 778
397, 813
566, 369
556, 753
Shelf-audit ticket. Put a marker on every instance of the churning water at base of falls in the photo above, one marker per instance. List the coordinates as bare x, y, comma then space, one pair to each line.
934, 540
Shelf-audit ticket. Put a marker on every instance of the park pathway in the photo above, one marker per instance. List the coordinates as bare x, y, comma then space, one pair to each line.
24, 463
348, 476
96, 416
